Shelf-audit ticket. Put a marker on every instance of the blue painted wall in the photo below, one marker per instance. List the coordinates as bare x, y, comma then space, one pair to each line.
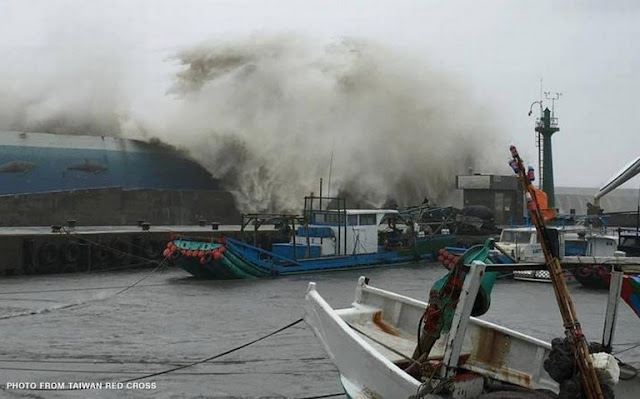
135, 165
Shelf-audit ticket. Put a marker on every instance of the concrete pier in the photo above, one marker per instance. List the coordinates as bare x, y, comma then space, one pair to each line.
43, 249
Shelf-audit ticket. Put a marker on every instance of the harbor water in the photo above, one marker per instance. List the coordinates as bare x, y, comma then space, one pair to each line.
60, 330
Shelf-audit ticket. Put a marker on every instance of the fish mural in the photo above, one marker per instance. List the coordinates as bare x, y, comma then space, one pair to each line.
16, 167
88, 167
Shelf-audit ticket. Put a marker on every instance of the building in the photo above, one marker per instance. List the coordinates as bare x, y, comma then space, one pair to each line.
501, 194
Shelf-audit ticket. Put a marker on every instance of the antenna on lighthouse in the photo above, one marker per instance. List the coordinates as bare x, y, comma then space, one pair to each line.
553, 96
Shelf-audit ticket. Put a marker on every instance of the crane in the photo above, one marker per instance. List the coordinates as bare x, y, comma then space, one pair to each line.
624, 175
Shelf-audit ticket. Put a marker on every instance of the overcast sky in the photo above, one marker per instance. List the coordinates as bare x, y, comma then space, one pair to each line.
498, 50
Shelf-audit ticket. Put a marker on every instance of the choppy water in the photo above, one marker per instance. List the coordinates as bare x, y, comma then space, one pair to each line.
171, 319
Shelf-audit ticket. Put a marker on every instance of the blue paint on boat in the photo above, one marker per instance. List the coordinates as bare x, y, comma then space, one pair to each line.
329, 239
256, 262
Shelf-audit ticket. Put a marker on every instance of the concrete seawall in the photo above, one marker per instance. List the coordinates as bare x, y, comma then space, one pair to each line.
117, 206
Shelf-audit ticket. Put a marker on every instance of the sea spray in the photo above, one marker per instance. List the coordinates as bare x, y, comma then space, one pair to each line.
265, 115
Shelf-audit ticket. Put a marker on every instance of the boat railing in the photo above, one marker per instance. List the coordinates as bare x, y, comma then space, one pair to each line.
284, 222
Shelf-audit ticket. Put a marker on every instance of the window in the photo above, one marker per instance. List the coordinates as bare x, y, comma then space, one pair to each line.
368, 219
334, 218
328, 217
521, 237
352, 220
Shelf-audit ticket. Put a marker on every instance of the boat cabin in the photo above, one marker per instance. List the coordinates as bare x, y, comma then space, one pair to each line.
602, 245
629, 241
522, 242
342, 232
330, 229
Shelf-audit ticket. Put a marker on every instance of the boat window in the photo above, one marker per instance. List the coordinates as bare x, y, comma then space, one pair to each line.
368, 219
352, 220
516, 236
334, 218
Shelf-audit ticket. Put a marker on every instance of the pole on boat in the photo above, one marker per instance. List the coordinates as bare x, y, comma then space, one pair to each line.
573, 330
615, 287
638, 213
344, 210
320, 202
293, 224
458, 329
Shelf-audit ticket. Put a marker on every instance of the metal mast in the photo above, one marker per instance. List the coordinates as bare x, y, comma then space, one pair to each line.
546, 126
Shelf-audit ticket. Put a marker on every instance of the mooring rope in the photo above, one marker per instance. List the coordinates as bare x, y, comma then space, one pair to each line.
331, 395
235, 349
111, 287
111, 249
161, 264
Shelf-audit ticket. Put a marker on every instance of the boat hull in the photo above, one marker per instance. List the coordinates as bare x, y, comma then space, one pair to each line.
238, 259
360, 347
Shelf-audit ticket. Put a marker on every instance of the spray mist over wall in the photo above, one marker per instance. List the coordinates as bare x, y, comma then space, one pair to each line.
267, 114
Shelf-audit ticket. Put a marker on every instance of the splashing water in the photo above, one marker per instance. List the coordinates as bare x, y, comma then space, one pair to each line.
266, 114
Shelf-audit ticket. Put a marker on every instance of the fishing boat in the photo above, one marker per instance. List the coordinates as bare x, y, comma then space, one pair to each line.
598, 275
522, 242
323, 238
587, 256
371, 341
453, 355
629, 241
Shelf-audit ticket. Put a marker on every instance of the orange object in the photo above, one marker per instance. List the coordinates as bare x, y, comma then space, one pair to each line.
543, 203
